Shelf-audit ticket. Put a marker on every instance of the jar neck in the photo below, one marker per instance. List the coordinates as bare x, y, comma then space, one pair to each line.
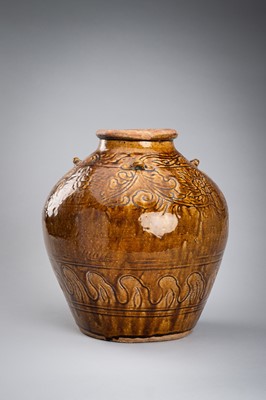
121, 146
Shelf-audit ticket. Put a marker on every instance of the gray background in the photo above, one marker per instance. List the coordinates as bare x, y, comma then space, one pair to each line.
71, 67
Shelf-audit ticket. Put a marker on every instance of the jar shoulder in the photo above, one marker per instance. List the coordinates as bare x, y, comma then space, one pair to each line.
146, 180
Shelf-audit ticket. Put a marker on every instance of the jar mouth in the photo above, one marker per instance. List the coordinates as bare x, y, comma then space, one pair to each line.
137, 134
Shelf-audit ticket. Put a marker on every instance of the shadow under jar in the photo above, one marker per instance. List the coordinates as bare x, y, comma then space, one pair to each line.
135, 234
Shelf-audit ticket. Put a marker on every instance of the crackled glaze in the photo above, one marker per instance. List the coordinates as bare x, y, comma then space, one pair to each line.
135, 234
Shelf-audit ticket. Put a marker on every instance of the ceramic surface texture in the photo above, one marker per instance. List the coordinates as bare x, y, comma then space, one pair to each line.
135, 234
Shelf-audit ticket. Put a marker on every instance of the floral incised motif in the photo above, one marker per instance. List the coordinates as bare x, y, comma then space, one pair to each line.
155, 181
78, 178
134, 293
151, 181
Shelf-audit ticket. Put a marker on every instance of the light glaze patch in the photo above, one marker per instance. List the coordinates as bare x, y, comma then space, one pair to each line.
158, 223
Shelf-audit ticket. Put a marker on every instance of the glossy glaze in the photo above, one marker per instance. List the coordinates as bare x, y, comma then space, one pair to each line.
136, 234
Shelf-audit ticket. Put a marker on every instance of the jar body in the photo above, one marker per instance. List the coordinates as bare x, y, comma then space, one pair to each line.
135, 234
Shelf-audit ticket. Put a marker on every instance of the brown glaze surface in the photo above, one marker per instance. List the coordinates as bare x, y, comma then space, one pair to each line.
135, 234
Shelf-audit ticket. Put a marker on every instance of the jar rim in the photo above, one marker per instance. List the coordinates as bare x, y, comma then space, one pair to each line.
137, 134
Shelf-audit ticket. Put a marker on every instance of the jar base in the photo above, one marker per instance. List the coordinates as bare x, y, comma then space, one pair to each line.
124, 339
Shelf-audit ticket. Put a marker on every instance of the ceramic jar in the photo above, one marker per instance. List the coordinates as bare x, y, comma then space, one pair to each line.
135, 234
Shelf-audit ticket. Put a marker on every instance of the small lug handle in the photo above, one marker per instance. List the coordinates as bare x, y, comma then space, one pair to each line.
76, 160
195, 162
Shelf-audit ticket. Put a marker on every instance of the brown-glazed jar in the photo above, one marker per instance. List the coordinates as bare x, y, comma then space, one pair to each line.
135, 234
